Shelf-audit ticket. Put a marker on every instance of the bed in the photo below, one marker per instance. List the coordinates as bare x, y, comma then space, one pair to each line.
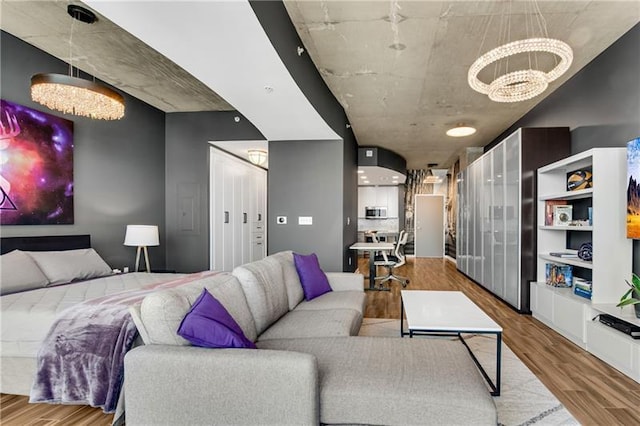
28, 314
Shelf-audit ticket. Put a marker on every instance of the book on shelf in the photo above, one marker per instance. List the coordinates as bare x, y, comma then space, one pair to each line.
583, 286
564, 254
581, 292
548, 210
559, 275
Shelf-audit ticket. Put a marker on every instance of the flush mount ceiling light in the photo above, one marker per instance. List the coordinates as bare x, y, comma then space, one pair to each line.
522, 84
257, 156
74, 95
432, 179
460, 131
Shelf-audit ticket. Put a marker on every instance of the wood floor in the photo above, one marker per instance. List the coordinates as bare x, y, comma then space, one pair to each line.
593, 392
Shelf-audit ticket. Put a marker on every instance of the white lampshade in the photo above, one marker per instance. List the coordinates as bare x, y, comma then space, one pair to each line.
142, 236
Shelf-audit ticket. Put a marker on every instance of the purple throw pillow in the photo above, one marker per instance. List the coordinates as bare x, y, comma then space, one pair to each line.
209, 325
314, 281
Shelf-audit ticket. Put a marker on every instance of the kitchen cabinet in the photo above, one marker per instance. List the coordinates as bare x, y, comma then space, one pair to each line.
496, 242
378, 196
237, 211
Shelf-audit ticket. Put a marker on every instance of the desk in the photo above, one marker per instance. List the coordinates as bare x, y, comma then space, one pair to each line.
372, 248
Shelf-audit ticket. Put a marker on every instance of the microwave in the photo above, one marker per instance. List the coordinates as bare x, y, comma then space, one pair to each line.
375, 212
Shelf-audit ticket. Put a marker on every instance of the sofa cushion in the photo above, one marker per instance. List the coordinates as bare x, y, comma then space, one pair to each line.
291, 278
263, 285
209, 325
426, 381
355, 300
162, 312
304, 324
314, 281
19, 272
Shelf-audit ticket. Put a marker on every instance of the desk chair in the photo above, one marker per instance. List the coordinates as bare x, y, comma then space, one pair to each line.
393, 261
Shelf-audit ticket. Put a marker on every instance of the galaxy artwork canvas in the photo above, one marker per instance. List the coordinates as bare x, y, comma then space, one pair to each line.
36, 167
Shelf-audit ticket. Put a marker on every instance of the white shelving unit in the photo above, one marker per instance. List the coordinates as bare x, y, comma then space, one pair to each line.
559, 308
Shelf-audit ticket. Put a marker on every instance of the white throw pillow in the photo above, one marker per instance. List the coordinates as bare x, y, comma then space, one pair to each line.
63, 267
18, 272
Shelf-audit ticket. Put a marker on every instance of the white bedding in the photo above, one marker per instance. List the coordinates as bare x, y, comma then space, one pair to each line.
25, 318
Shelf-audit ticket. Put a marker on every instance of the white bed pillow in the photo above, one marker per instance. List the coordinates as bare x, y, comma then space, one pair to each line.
18, 272
63, 267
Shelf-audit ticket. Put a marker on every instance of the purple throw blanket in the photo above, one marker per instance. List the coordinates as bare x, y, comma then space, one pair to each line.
81, 361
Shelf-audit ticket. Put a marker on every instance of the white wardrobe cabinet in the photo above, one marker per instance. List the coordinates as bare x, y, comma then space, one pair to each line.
237, 196
496, 238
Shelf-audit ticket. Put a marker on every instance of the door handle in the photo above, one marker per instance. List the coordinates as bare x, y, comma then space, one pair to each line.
226, 217
244, 218
259, 216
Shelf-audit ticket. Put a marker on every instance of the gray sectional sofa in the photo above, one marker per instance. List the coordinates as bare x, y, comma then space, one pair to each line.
310, 366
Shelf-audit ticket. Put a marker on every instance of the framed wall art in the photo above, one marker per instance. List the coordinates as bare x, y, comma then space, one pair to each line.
36, 167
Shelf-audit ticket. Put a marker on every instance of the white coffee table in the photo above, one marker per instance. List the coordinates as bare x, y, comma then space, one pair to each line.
449, 313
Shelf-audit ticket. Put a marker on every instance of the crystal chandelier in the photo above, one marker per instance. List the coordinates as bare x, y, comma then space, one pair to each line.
520, 85
74, 95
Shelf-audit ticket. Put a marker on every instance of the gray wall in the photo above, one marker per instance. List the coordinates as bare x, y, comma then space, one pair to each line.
306, 179
187, 181
600, 104
276, 22
118, 165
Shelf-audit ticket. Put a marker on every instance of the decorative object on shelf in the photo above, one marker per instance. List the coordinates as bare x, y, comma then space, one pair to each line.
257, 156
559, 275
36, 167
519, 84
632, 295
586, 252
633, 189
579, 179
562, 215
548, 210
74, 95
142, 236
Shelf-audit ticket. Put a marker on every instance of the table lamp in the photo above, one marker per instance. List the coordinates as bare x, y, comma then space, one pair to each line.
142, 236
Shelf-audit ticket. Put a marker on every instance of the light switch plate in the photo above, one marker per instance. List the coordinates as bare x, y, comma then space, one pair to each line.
305, 220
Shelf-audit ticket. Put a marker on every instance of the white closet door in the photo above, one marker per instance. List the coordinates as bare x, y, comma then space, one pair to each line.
487, 217
499, 215
237, 211
512, 223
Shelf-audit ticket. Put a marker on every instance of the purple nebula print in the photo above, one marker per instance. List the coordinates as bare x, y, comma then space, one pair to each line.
36, 167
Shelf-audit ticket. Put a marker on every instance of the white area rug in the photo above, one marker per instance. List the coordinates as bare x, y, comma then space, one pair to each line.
524, 400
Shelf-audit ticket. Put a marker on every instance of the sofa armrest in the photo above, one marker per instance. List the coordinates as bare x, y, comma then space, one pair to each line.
186, 384
344, 281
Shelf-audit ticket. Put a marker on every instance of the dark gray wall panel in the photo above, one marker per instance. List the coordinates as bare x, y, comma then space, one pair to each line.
277, 25
350, 205
187, 181
306, 179
382, 157
118, 165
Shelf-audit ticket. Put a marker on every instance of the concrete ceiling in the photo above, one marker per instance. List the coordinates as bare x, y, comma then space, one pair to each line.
398, 67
